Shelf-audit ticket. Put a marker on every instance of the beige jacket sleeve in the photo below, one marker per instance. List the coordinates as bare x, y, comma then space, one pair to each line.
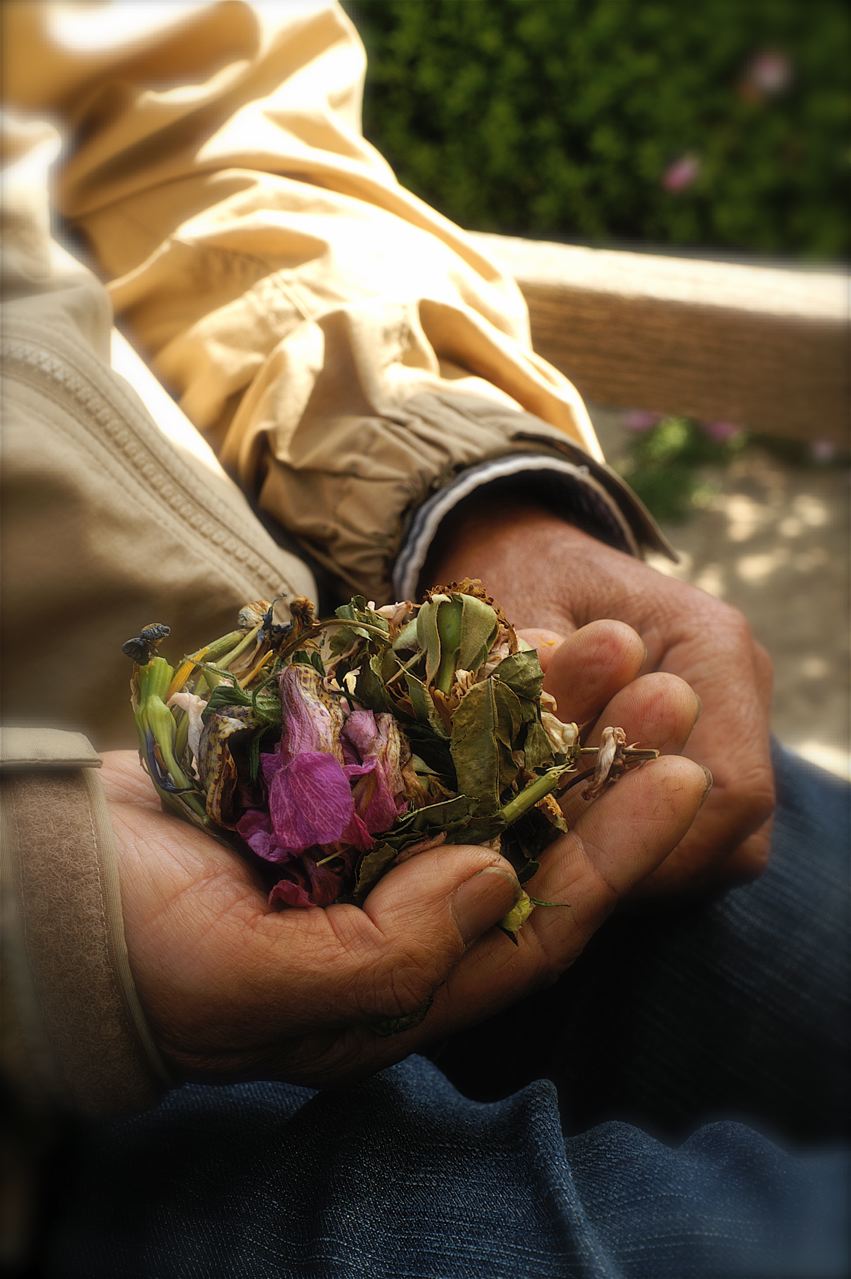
63, 947
343, 347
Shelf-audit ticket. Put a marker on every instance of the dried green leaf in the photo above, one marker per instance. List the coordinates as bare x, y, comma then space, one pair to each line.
522, 673
431, 819
538, 750
423, 704
372, 867
484, 739
478, 630
370, 688
428, 636
475, 745
406, 640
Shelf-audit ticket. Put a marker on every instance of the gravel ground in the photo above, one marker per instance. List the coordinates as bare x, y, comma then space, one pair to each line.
774, 541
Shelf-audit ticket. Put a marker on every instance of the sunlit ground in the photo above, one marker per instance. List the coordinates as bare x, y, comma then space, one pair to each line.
775, 542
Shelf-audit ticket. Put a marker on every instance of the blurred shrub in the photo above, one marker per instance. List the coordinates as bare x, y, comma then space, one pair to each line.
711, 124
676, 465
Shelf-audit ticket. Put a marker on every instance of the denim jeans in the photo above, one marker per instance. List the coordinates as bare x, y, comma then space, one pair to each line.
674, 1106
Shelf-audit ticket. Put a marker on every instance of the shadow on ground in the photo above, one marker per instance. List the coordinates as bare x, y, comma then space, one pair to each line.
774, 541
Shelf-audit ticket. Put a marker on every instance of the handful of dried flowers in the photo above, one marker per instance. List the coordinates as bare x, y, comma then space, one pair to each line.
332, 749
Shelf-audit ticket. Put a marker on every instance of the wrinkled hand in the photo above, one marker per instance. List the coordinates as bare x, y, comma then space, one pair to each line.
233, 990
548, 574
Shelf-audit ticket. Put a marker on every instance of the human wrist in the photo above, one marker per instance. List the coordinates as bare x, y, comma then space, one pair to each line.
504, 543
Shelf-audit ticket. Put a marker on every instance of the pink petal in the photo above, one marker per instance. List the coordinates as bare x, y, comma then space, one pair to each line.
357, 834
306, 884
361, 730
375, 803
310, 801
640, 420
312, 718
680, 175
255, 827
721, 432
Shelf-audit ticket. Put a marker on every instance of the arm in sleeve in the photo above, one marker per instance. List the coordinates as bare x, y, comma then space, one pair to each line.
74, 1034
345, 349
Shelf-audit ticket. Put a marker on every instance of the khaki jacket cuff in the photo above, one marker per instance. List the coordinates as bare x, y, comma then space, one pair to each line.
74, 1033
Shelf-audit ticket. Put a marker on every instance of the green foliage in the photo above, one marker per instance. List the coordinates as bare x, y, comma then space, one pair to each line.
677, 466
560, 117
667, 466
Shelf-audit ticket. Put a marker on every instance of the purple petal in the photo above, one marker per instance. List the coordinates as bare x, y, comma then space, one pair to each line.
255, 827
357, 834
312, 718
361, 731
680, 175
375, 802
270, 764
640, 420
290, 894
305, 884
360, 770
721, 432
310, 801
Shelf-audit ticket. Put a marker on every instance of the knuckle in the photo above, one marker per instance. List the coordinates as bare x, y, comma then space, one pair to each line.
751, 860
759, 797
749, 793
763, 658
764, 667
733, 623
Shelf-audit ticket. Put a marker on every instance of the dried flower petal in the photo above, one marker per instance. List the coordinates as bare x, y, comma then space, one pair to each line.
310, 801
194, 707
312, 718
563, 737
305, 884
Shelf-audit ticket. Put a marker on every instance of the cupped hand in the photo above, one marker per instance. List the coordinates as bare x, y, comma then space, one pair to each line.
233, 990
548, 574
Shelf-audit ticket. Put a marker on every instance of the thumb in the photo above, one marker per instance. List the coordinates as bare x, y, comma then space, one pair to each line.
429, 910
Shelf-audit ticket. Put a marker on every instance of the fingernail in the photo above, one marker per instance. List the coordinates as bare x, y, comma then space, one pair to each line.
710, 782
482, 900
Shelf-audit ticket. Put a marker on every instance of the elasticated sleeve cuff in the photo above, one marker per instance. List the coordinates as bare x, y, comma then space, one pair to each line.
74, 1033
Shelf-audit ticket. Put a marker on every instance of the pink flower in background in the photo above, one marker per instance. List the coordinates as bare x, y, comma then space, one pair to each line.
768, 74
822, 450
721, 432
640, 420
681, 173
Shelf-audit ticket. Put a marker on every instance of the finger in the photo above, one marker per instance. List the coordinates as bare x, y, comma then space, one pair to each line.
592, 664
731, 738
764, 676
620, 839
345, 963
750, 859
744, 864
657, 710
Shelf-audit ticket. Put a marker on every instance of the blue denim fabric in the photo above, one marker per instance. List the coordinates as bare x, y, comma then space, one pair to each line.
675, 1109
